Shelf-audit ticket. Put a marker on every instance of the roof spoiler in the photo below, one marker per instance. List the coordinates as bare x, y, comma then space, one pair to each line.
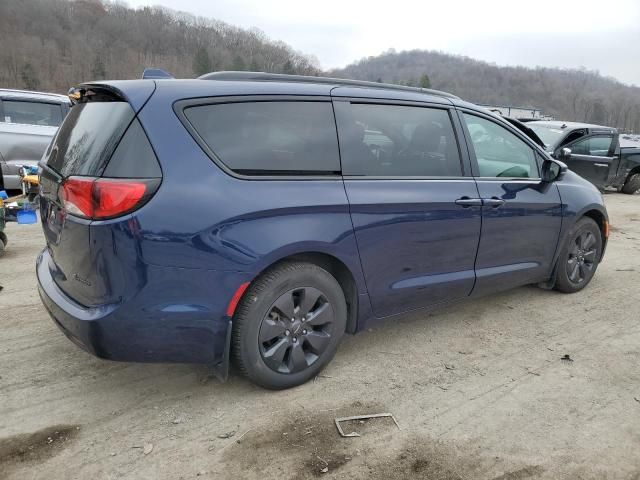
155, 74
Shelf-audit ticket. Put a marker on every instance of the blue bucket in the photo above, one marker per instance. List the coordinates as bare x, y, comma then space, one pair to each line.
26, 217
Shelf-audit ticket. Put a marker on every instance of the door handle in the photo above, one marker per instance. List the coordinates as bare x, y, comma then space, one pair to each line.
466, 202
601, 165
493, 202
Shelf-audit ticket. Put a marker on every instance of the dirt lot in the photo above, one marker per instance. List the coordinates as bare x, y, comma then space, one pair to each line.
479, 390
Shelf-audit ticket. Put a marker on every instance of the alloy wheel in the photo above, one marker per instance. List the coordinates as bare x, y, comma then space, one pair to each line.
296, 330
582, 257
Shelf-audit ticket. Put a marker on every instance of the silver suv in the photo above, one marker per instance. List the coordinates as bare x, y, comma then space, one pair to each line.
28, 122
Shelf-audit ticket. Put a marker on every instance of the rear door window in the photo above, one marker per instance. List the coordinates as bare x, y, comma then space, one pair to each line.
270, 137
396, 141
87, 137
31, 113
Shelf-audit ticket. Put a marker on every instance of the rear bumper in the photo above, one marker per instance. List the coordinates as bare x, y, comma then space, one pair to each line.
136, 331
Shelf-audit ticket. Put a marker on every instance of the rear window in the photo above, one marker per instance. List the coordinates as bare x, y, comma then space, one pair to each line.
262, 138
31, 113
395, 140
88, 137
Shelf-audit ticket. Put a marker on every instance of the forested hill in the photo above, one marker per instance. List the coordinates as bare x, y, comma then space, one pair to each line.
578, 95
53, 44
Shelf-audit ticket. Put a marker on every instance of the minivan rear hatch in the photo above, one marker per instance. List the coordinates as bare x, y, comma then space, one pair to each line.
98, 167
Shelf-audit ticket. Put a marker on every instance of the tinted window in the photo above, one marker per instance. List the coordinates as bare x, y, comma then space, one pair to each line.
31, 113
596, 146
393, 140
270, 137
87, 137
134, 157
499, 152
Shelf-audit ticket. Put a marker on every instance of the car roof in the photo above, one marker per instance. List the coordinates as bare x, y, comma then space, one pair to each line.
30, 95
256, 83
570, 125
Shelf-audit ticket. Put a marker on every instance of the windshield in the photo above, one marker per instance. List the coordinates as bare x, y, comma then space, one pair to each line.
550, 136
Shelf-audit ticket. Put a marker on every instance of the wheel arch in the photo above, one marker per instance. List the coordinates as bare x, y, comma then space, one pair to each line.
598, 215
338, 269
601, 220
633, 171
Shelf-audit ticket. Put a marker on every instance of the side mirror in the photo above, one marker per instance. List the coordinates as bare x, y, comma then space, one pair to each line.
553, 170
565, 154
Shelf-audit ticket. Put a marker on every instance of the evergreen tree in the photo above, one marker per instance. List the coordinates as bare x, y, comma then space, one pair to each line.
29, 77
288, 68
201, 62
238, 64
98, 70
425, 82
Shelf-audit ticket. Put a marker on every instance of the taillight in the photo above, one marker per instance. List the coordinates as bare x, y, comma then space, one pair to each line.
102, 198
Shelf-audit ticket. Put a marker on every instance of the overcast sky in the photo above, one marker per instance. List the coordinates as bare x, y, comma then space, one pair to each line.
598, 35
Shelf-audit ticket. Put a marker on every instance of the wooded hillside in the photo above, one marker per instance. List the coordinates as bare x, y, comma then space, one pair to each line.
577, 95
53, 44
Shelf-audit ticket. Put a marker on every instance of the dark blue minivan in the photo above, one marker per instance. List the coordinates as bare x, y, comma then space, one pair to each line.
258, 217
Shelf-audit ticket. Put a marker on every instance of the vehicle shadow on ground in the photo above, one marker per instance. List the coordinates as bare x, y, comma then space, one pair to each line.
395, 333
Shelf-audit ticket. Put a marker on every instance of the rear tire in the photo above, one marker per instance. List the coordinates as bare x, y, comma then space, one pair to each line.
3, 243
288, 325
632, 185
580, 256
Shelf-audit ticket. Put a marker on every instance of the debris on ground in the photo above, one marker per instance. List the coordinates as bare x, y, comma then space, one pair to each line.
148, 448
566, 358
449, 366
228, 434
361, 417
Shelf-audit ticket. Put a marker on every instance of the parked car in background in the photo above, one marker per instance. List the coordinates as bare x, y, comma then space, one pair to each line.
263, 216
28, 122
595, 152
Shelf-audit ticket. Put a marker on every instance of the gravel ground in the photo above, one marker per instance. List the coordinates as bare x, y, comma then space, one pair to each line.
479, 391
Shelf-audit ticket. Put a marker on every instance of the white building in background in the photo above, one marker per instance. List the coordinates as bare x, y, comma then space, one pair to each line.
518, 112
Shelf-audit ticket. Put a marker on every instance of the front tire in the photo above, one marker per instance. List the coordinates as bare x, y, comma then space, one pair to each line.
580, 256
632, 185
288, 325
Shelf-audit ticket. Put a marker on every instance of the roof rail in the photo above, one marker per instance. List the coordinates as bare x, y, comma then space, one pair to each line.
281, 77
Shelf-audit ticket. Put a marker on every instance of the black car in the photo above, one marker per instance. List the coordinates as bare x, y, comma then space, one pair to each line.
595, 152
